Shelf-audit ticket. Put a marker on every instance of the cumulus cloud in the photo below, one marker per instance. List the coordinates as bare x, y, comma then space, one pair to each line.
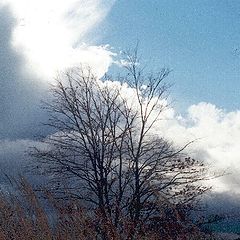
39, 38
50, 34
216, 134
213, 131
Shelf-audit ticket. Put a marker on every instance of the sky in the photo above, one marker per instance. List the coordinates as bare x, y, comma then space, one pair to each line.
198, 40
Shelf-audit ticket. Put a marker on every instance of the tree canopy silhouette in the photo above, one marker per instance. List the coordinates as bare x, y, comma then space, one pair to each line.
107, 153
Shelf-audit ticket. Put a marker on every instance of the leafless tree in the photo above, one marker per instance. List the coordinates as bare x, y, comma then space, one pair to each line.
105, 149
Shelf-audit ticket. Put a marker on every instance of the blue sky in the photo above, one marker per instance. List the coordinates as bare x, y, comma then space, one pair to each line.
196, 39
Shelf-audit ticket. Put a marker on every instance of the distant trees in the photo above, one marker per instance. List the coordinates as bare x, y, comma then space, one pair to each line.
105, 150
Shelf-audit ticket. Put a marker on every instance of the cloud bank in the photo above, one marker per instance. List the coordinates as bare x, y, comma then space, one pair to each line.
38, 39
214, 133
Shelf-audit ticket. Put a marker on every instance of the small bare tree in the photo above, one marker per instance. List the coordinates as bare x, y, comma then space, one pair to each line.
106, 152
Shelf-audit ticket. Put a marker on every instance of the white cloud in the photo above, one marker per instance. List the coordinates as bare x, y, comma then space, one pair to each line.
216, 139
217, 135
214, 133
50, 34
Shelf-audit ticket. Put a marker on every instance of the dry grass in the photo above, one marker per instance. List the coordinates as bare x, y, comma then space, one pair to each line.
23, 217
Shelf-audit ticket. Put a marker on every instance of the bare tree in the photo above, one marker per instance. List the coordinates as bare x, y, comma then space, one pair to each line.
105, 150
